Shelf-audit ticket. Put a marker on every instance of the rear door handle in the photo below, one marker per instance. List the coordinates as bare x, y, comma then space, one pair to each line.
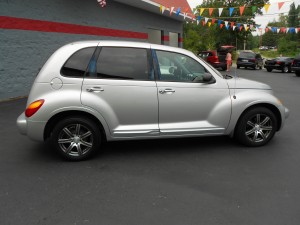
167, 91
95, 89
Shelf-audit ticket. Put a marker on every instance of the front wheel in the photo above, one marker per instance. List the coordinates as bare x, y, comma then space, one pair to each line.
256, 127
269, 70
297, 73
76, 138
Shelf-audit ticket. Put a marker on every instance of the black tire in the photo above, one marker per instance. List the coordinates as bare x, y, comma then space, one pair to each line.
256, 127
238, 67
269, 70
224, 68
285, 69
76, 138
297, 73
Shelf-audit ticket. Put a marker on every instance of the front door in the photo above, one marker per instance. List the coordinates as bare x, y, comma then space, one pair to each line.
188, 105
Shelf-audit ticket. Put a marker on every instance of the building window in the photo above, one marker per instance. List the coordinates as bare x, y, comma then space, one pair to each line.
173, 39
154, 36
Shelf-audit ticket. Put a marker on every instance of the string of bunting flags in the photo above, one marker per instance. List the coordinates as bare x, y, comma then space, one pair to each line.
228, 25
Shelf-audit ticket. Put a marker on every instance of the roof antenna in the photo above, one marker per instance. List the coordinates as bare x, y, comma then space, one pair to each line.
235, 71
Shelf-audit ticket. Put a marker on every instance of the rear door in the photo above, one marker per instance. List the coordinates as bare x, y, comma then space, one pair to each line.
120, 86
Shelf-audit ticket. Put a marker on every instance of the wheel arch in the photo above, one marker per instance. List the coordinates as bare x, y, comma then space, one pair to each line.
269, 106
71, 113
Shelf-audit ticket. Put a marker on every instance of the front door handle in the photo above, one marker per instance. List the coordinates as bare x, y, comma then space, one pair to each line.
95, 89
167, 91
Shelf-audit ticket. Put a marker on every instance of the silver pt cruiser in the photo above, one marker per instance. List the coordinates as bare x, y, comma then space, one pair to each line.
91, 91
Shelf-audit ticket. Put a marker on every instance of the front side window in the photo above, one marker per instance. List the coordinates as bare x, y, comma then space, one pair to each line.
77, 64
123, 63
178, 67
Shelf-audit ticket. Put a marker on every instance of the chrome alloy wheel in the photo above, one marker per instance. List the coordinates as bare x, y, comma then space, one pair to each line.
258, 128
75, 140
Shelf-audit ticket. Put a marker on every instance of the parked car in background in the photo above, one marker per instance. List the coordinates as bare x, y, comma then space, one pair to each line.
296, 66
217, 58
89, 92
280, 63
250, 59
212, 57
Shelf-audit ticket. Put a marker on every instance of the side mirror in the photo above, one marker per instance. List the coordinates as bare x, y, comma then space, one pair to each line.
206, 78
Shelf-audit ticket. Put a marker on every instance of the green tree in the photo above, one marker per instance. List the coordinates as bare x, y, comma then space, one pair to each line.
214, 36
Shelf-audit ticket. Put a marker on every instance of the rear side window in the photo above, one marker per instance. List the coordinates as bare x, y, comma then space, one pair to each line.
77, 64
123, 63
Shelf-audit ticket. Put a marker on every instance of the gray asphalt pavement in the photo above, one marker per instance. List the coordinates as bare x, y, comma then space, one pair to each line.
209, 181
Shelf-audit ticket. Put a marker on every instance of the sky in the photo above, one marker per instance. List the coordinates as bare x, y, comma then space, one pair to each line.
273, 12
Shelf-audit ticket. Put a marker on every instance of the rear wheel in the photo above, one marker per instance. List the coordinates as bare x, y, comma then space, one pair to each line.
238, 67
285, 69
297, 73
256, 127
269, 70
76, 138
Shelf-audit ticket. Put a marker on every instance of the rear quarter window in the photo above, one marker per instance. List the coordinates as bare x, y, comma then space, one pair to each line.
77, 64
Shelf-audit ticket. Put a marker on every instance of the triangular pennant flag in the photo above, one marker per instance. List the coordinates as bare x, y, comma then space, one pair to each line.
178, 11
203, 23
233, 28
242, 8
226, 23
171, 10
206, 20
241, 28
227, 27
184, 15
219, 22
254, 9
296, 30
199, 18
213, 21
160, 8
267, 29
221, 25
201, 11
231, 24
247, 28
231, 9
267, 6
280, 4
210, 11
245, 25
274, 29
293, 30
163, 9
287, 29
220, 11
198, 22
251, 26
278, 30
238, 25
209, 24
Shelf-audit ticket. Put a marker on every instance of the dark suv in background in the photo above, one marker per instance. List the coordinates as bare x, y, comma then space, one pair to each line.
296, 65
249, 59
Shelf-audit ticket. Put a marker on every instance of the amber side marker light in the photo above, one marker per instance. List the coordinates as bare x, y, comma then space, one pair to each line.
34, 107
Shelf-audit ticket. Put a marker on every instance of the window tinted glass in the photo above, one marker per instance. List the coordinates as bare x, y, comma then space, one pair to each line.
178, 67
77, 64
123, 63
247, 55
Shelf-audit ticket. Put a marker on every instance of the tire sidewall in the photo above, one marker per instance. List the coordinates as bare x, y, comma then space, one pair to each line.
76, 120
241, 126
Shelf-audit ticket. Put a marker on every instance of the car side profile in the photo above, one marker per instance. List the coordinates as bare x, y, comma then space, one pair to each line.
283, 64
94, 91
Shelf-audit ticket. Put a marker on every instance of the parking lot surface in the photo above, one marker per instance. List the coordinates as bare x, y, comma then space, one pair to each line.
209, 181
